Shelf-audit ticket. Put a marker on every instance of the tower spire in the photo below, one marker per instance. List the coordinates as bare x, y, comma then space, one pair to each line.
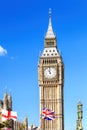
50, 33
50, 13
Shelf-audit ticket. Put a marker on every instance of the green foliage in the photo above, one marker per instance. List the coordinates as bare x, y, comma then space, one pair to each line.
4, 124
22, 127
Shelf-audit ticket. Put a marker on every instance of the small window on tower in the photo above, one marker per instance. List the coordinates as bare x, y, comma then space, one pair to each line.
50, 43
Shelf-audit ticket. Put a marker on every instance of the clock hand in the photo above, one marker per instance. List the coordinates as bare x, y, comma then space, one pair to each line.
49, 71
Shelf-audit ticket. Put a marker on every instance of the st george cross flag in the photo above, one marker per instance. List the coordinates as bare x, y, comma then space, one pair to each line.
8, 115
48, 114
5, 128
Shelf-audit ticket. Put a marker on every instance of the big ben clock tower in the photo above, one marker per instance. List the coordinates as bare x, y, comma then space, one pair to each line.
51, 80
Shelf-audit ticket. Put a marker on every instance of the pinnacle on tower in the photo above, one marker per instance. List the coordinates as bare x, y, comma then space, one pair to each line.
26, 123
9, 102
5, 101
50, 33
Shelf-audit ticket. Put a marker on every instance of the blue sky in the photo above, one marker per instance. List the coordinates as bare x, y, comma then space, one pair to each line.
23, 24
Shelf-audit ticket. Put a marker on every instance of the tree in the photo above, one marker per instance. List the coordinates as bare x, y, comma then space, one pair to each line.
4, 124
22, 127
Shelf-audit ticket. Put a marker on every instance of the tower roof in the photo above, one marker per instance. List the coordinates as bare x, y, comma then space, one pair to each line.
79, 103
50, 33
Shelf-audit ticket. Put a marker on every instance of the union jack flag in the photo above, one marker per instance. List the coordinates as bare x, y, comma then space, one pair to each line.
48, 114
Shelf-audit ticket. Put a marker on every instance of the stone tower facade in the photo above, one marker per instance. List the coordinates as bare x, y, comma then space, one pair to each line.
7, 102
80, 116
51, 80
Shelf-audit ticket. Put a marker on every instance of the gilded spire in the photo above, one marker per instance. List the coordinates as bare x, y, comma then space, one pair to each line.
50, 33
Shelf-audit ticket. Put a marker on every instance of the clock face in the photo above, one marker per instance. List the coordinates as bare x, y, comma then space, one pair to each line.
50, 72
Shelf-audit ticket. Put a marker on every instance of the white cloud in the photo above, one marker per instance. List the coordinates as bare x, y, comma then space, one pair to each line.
3, 51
